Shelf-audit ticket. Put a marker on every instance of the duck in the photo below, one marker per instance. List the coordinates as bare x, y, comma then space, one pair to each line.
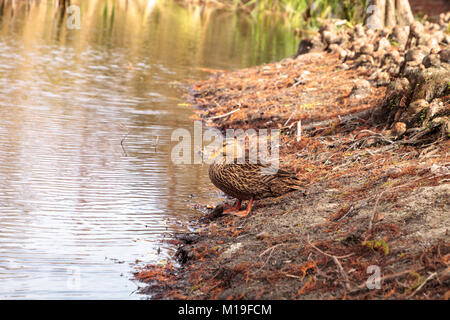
244, 180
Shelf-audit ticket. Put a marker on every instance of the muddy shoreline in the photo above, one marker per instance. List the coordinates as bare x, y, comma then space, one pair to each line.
373, 156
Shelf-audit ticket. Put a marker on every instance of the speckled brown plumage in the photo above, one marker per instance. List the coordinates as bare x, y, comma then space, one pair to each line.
248, 181
244, 181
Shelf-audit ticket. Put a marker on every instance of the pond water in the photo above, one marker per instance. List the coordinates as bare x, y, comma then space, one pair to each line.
87, 188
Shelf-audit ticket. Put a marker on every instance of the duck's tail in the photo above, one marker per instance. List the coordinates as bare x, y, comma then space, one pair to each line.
293, 182
299, 187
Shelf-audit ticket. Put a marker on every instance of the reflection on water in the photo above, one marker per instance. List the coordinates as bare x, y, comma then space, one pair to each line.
76, 209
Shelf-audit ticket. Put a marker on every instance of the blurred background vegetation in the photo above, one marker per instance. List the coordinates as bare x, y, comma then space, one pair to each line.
293, 13
303, 13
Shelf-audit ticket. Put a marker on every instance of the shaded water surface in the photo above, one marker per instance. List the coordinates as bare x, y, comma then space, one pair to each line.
78, 210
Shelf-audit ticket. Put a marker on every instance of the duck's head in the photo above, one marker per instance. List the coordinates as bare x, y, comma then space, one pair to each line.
229, 152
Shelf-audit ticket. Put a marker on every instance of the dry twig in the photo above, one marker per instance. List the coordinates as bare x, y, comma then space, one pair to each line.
431, 276
336, 261
225, 115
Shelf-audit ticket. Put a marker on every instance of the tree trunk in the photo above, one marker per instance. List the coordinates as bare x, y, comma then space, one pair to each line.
388, 13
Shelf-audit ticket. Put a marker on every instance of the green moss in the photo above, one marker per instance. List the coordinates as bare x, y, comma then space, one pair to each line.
420, 16
422, 117
394, 102
394, 43
195, 287
418, 281
377, 244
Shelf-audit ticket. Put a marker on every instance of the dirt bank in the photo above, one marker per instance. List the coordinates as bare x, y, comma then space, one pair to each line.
377, 180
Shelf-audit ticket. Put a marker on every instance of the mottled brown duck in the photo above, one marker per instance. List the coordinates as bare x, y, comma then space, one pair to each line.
249, 181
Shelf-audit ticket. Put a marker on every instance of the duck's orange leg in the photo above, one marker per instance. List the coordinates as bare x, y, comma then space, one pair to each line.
236, 207
244, 213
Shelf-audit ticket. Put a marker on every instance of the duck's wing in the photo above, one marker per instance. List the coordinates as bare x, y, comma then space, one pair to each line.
254, 180
245, 179
282, 181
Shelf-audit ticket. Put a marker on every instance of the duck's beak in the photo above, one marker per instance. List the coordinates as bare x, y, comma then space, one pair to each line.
212, 154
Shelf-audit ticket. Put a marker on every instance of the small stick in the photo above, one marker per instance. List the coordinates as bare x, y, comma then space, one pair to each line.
289, 119
271, 248
155, 144
299, 130
374, 214
225, 115
121, 143
336, 261
327, 254
352, 208
293, 276
270, 254
373, 135
431, 276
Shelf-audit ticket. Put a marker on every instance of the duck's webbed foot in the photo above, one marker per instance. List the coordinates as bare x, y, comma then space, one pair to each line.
244, 213
236, 207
